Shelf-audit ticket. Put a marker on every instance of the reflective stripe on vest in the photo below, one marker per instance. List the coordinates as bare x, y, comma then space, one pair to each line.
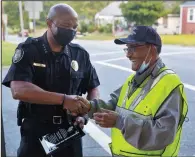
147, 106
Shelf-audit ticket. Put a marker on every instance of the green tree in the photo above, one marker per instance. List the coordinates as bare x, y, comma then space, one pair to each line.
85, 10
143, 13
12, 10
176, 8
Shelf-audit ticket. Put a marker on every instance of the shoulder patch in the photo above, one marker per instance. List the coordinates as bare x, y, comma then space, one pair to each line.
19, 53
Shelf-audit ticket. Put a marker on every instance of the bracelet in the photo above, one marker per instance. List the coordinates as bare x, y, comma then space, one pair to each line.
89, 106
63, 100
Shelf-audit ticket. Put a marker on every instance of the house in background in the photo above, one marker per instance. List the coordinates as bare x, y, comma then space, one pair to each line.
111, 13
187, 18
168, 24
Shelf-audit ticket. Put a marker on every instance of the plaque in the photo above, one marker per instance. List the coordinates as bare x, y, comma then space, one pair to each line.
62, 137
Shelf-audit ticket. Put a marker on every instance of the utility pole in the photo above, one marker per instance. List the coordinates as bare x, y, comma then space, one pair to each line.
3, 23
21, 19
3, 150
34, 21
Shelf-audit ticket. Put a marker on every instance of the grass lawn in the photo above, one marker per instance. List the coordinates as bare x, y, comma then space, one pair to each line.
8, 50
187, 40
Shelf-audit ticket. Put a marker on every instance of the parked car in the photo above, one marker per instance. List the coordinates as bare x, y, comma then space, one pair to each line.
25, 33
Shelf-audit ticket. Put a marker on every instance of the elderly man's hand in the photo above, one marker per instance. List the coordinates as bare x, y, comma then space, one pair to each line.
86, 102
106, 118
75, 106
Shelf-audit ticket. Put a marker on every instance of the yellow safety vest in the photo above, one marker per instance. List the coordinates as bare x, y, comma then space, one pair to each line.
162, 86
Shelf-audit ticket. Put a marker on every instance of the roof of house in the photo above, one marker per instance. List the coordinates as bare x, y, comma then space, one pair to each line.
188, 3
112, 9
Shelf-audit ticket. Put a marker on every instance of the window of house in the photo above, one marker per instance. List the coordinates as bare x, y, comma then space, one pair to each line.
191, 15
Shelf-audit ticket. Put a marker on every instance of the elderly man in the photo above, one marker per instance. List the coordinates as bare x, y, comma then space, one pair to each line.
146, 114
46, 75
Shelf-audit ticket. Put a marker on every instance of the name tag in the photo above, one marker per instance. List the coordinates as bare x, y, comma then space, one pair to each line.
39, 65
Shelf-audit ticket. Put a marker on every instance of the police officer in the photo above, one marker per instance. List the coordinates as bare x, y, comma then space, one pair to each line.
146, 114
47, 74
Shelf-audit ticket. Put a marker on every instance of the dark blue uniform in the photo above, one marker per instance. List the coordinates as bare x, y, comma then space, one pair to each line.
69, 72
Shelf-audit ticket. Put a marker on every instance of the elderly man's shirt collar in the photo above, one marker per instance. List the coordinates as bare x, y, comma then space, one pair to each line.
138, 79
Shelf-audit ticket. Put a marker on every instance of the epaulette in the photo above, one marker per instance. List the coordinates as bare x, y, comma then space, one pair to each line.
77, 46
31, 40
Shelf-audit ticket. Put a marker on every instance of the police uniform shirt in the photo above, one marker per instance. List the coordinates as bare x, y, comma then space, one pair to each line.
68, 72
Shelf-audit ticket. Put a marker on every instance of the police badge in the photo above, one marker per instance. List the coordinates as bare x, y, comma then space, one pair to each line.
62, 137
74, 65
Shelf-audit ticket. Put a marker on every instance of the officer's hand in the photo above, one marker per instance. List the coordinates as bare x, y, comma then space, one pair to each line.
106, 118
80, 121
74, 105
85, 101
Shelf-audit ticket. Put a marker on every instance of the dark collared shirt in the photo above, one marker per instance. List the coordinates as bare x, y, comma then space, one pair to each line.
69, 71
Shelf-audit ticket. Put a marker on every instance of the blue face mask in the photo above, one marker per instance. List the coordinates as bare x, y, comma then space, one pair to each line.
144, 65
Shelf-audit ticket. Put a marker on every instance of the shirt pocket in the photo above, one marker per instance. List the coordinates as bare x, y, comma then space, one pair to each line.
78, 82
40, 76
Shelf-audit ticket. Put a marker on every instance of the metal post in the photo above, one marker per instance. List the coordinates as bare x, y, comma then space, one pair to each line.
3, 150
3, 24
34, 22
21, 19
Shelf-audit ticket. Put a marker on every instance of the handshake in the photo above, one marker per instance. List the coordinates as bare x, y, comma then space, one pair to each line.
79, 106
76, 105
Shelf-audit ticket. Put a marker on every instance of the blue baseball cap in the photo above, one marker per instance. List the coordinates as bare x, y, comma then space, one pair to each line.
141, 35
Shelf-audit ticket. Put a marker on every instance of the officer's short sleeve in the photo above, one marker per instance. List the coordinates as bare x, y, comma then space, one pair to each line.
21, 68
92, 80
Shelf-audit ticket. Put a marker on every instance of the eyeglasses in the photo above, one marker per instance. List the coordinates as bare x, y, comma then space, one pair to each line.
131, 49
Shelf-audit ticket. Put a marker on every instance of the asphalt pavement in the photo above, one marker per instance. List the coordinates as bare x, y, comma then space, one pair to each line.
113, 68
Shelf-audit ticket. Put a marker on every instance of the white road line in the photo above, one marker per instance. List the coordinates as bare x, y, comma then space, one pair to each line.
122, 58
191, 87
106, 53
98, 135
114, 66
114, 59
175, 53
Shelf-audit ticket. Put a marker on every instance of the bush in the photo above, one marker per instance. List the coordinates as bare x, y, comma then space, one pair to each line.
108, 28
91, 28
101, 29
105, 29
83, 27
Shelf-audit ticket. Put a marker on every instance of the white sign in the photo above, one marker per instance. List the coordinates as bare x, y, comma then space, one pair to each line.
36, 6
5, 19
31, 25
35, 16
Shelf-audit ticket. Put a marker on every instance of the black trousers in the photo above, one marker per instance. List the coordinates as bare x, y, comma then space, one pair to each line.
30, 146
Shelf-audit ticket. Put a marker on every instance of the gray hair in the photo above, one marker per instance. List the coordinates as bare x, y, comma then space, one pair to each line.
158, 48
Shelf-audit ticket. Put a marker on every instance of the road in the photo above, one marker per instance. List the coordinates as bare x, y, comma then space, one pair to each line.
113, 68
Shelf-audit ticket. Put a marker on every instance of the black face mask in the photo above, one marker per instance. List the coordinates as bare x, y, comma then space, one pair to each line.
64, 36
